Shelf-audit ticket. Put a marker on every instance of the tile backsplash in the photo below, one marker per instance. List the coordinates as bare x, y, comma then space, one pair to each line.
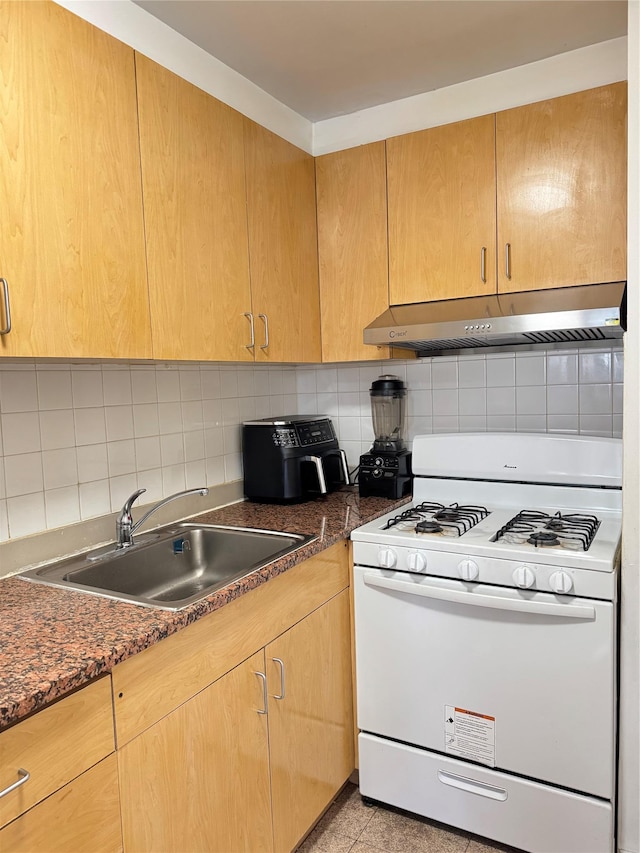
77, 439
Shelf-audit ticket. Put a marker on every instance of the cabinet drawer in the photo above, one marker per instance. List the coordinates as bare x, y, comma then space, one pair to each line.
82, 816
54, 746
152, 684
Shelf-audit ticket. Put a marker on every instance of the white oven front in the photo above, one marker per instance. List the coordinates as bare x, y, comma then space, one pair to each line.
523, 682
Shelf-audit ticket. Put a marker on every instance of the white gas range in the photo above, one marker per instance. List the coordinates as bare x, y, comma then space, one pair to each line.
485, 624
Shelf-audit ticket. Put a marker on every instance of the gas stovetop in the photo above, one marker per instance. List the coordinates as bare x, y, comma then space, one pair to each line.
545, 514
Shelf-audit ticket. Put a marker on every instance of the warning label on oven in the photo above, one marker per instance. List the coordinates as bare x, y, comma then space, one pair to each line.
469, 734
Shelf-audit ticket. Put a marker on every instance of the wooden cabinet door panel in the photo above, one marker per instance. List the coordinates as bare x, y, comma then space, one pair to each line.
352, 249
195, 217
441, 186
198, 780
311, 728
561, 167
72, 241
283, 248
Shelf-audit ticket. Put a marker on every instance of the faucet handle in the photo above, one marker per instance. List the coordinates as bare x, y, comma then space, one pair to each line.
126, 509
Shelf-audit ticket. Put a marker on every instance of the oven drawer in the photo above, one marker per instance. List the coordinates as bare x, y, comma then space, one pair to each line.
526, 815
524, 682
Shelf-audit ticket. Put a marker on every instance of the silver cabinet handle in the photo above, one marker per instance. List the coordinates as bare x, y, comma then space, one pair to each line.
265, 320
345, 467
507, 260
483, 264
317, 461
252, 342
263, 678
24, 777
7, 307
249, 316
281, 665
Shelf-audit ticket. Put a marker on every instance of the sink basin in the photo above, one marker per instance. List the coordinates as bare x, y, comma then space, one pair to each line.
172, 567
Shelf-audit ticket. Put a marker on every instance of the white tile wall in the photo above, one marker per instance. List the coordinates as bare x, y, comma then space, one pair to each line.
77, 439
575, 391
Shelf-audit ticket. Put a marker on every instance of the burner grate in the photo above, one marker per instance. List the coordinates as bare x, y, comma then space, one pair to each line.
438, 518
541, 529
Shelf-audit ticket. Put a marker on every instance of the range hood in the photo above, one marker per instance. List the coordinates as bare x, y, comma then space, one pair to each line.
560, 316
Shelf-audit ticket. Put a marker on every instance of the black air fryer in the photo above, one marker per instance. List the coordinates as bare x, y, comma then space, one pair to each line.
385, 471
292, 458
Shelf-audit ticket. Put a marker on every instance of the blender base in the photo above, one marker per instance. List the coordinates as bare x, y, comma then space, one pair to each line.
385, 475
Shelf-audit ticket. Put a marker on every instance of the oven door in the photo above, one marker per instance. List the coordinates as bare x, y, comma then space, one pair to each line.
517, 680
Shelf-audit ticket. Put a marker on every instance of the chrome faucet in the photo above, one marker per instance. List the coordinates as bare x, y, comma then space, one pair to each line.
125, 528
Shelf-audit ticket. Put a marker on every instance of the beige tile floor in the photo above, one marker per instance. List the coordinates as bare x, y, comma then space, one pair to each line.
351, 827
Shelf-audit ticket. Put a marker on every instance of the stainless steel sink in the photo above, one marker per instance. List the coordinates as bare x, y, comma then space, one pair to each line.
171, 567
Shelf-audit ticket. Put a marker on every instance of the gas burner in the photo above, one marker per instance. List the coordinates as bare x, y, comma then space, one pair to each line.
574, 531
428, 527
428, 517
543, 537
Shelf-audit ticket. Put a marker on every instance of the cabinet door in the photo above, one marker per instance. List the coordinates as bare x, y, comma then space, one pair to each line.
281, 209
193, 183
311, 726
442, 221
352, 249
72, 242
198, 780
561, 167
82, 816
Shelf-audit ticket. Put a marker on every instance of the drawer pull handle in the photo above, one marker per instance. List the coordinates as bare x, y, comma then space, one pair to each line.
24, 777
263, 679
464, 783
281, 665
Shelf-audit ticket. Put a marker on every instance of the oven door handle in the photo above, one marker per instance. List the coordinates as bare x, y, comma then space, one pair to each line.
495, 602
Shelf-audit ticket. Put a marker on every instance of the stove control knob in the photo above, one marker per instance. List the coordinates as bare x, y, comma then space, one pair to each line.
524, 577
468, 570
387, 558
416, 562
561, 582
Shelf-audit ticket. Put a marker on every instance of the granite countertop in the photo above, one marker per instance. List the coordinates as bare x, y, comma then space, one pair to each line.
55, 640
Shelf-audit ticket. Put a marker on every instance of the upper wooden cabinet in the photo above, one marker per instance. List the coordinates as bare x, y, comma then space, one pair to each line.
281, 208
72, 241
561, 167
352, 249
193, 178
442, 222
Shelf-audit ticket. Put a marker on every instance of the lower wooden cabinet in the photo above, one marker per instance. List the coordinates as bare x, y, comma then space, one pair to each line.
55, 746
81, 817
310, 719
250, 762
199, 779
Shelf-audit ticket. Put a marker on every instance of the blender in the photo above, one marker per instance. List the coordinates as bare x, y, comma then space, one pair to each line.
385, 471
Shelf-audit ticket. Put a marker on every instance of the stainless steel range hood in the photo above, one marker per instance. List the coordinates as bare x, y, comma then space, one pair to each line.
561, 316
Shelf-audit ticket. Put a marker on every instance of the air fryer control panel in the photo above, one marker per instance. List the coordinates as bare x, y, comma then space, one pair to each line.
303, 434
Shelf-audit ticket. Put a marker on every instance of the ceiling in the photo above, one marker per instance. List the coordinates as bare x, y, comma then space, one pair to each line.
325, 58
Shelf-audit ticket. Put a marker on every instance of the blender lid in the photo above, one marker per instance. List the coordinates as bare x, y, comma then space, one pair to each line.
388, 386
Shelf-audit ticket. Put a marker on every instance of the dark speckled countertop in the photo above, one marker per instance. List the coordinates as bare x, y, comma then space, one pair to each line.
54, 640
